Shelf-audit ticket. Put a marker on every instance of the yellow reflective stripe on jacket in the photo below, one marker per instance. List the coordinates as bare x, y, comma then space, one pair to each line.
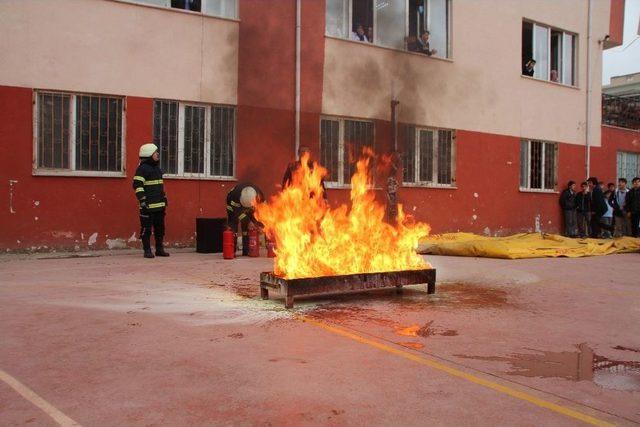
236, 204
156, 205
140, 189
242, 216
229, 208
154, 182
139, 178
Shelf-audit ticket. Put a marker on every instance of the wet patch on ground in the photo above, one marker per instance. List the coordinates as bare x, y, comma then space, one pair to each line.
580, 365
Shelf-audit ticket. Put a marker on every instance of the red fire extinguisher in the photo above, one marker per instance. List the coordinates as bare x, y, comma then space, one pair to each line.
254, 247
228, 244
271, 245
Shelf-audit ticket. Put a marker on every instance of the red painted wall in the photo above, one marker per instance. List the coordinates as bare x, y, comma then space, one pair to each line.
616, 23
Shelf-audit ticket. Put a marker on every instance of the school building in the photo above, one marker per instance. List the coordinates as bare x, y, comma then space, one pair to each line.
228, 89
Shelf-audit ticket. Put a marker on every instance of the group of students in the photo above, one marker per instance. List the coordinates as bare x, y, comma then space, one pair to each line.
601, 211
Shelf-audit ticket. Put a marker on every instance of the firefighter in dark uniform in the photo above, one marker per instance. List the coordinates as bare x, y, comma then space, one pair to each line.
294, 166
149, 189
240, 210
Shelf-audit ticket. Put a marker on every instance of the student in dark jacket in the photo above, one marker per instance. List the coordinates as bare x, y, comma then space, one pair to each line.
152, 200
568, 205
632, 206
598, 208
583, 210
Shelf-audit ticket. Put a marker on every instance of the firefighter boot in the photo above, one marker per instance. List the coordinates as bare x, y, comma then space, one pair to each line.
146, 245
160, 249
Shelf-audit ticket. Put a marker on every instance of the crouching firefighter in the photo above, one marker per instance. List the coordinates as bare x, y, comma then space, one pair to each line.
240, 209
149, 189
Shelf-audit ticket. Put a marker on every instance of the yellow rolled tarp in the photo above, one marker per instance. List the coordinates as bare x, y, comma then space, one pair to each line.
524, 245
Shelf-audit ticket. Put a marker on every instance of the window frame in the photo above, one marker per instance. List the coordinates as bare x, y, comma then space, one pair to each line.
621, 159
167, 6
574, 53
340, 184
206, 175
528, 188
72, 171
434, 173
449, 44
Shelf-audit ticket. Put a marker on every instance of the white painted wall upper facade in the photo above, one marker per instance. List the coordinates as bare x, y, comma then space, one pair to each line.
118, 48
481, 88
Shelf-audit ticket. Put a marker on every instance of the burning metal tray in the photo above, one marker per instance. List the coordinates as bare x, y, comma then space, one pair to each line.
290, 288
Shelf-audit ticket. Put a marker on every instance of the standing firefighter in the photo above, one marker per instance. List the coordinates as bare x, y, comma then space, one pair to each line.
147, 183
240, 209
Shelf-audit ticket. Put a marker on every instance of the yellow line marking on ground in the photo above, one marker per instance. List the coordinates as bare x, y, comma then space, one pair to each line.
460, 374
32, 397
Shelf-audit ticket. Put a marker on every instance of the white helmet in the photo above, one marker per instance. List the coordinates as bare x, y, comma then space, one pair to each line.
248, 196
147, 150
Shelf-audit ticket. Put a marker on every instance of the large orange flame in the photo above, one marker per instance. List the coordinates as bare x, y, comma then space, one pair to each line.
314, 240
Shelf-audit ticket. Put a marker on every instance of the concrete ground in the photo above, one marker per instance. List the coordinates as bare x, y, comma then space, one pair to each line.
120, 340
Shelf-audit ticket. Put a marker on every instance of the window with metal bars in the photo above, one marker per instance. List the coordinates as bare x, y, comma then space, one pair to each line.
429, 157
628, 165
78, 133
538, 165
195, 140
341, 143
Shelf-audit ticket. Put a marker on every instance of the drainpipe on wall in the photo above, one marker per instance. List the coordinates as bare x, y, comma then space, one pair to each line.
587, 159
297, 107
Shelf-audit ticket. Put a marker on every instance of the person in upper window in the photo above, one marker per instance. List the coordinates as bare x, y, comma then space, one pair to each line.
370, 34
422, 44
359, 34
527, 69
554, 76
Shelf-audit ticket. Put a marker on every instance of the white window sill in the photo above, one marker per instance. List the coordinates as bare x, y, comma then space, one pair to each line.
199, 177
429, 185
550, 82
173, 9
78, 174
389, 48
539, 191
337, 186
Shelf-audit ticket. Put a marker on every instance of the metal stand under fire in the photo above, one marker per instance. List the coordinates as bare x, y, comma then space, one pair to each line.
290, 288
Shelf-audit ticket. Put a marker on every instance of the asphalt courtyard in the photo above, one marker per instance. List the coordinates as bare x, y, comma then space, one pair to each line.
120, 340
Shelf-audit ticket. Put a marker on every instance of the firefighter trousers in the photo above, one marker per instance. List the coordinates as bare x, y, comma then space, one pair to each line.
151, 221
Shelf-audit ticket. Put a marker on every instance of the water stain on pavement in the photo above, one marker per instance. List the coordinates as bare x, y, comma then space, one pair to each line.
580, 365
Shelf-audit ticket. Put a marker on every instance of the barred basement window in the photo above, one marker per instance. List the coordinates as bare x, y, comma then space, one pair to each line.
429, 157
165, 134
341, 143
195, 140
78, 134
538, 165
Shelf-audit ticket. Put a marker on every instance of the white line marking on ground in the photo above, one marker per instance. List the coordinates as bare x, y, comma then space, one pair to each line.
32, 397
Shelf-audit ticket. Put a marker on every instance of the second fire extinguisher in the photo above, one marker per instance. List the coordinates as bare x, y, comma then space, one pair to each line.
228, 244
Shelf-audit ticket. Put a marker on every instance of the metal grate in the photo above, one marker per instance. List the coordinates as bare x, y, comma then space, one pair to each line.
426, 156
409, 158
329, 147
194, 135
53, 130
357, 135
223, 120
621, 111
445, 157
165, 134
98, 133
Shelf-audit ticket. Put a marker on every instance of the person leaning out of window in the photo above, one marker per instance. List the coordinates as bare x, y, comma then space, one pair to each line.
528, 68
149, 190
421, 44
359, 35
